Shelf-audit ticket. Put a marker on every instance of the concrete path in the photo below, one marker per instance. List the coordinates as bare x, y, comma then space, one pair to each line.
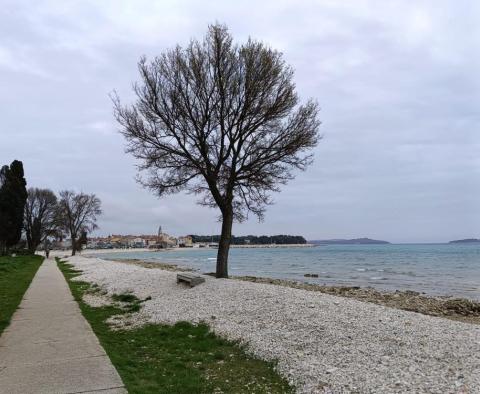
49, 347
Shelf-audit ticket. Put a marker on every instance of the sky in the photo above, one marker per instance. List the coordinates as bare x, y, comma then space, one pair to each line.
398, 83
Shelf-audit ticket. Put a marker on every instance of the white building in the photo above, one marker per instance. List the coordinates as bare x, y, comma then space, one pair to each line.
136, 242
185, 241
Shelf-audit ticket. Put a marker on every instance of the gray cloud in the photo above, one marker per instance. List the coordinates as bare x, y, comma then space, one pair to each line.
397, 82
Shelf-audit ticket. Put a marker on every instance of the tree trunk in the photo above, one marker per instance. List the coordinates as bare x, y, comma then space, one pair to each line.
29, 242
32, 244
74, 246
224, 245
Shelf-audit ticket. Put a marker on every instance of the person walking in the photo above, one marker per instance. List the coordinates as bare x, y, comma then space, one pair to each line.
46, 248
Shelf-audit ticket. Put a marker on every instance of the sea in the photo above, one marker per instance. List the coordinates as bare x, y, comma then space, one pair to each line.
433, 269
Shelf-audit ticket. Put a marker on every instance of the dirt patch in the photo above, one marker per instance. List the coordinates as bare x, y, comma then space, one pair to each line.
97, 300
128, 321
460, 309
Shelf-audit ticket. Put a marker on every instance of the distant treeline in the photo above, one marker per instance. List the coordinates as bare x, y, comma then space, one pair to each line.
254, 239
356, 241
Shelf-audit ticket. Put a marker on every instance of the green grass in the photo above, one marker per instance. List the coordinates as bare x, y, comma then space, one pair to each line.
183, 358
16, 273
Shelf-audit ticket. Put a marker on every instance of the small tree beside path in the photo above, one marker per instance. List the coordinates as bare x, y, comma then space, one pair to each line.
77, 213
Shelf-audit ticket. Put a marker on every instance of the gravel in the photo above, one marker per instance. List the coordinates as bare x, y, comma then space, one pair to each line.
323, 343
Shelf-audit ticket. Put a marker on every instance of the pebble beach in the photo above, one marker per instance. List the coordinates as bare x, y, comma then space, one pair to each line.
322, 343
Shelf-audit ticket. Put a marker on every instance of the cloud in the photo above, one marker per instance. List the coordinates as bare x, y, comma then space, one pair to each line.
397, 82
17, 62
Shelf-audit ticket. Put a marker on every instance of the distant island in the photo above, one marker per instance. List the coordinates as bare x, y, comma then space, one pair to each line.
355, 241
465, 241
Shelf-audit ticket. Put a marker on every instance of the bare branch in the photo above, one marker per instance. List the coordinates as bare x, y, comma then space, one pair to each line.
221, 115
77, 213
40, 217
219, 120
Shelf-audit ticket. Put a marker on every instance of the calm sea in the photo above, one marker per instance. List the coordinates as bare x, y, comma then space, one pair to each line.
436, 269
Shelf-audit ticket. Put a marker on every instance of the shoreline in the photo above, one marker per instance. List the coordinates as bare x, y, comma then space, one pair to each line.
444, 274
252, 246
307, 245
320, 342
453, 308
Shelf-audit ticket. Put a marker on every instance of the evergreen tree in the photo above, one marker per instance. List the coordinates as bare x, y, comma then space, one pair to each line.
13, 195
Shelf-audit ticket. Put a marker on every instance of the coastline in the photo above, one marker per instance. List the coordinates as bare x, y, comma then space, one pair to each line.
454, 308
432, 270
307, 245
253, 246
460, 309
320, 342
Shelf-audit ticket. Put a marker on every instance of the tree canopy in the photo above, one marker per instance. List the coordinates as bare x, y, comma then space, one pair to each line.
254, 239
13, 195
78, 214
41, 216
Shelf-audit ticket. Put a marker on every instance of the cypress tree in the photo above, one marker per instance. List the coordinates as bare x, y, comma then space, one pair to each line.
13, 195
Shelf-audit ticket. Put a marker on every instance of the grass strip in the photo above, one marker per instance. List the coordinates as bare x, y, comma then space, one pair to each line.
183, 358
16, 274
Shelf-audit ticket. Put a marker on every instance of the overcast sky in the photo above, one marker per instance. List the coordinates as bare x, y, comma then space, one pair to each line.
398, 83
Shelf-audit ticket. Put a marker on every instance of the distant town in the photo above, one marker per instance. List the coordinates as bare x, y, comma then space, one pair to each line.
163, 240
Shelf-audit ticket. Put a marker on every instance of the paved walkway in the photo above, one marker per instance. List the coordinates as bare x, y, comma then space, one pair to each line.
49, 347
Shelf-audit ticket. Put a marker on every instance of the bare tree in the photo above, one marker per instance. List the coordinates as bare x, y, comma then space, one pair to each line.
77, 214
222, 121
40, 217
